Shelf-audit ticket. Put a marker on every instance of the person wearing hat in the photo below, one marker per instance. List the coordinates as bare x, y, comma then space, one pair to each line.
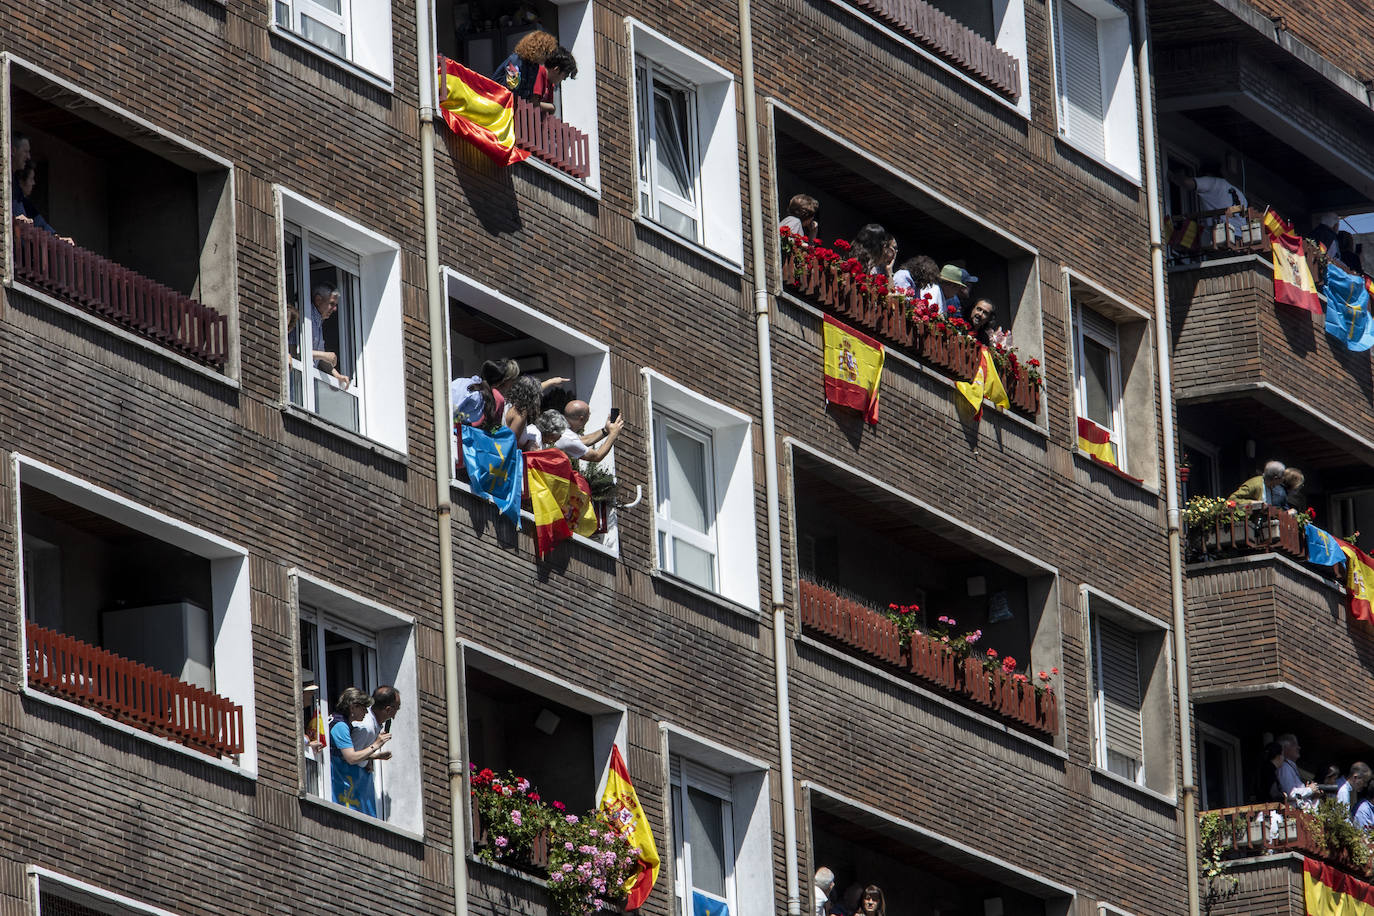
954, 283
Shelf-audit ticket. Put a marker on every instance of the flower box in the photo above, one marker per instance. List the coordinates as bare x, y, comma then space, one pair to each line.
933, 661
977, 682
1025, 395
537, 858
1047, 711
965, 356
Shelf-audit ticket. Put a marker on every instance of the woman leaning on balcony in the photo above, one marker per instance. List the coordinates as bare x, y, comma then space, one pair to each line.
536, 68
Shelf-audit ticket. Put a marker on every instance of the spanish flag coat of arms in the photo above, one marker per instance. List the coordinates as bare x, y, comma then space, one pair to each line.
621, 804
853, 367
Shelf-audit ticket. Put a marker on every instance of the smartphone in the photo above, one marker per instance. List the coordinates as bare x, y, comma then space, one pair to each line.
615, 414
386, 727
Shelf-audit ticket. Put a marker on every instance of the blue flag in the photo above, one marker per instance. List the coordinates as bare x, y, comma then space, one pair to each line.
1322, 548
496, 471
703, 905
1347, 309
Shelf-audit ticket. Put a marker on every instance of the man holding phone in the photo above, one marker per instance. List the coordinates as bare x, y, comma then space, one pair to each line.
576, 439
376, 725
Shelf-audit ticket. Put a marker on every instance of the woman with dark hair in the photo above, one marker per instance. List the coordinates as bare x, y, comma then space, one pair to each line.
920, 277
875, 249
980, 321
477, 399
872, 902
522, 409
351, 782
24, 209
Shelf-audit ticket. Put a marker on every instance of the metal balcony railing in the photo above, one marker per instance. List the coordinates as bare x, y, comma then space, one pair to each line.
118, 295
133, 693
552, 139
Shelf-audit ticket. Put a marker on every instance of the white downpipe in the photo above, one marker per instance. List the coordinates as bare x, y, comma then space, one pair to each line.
443, 459
1166, 398
770, 459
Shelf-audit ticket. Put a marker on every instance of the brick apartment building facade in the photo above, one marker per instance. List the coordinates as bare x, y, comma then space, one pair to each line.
182, 488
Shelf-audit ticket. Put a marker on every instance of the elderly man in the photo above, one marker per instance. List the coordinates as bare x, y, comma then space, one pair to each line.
1289, 779
577, 443
386, 702
825, 886
1353, 785
324, 302
1266, 488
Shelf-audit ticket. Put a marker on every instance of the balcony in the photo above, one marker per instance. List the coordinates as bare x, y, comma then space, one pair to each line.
552, 140
133, 693
118, 295
926, 660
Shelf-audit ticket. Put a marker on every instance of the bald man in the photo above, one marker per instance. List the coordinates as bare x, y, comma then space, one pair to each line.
577, 443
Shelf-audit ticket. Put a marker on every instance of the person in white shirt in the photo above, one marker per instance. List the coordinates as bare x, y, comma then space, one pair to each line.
825, 886
1215, 193
577, 414
1353, 786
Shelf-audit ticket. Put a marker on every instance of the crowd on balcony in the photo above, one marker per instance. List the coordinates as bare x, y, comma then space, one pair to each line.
858, 900
1280, 781
936, 291
541, 414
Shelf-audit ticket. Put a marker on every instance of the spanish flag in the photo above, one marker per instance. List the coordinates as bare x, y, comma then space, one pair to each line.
853, 367
1328, 891
481, 110
560, 498
1359, 583
1186, 234
621, 806
1292, 277
986, 384
1096, 441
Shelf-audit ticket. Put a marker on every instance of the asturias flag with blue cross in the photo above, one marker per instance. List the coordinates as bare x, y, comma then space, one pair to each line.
703, 905
1322, 548
1347, 308
495, 469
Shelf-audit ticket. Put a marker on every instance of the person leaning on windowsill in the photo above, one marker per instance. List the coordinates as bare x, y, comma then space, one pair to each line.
1266, 489
351, 781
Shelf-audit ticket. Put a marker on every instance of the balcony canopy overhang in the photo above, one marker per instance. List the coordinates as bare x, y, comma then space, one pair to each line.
1327, 734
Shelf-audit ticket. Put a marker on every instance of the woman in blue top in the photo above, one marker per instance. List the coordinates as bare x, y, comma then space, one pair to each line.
349, 779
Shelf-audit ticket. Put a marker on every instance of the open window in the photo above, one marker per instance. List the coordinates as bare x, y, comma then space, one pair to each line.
356, 31
1113, 370
703, 468
1131, 703
863, 846
481, 35
537, 726
342, 316
1096, 82
348, 641
687, 144
150, 219
109, 586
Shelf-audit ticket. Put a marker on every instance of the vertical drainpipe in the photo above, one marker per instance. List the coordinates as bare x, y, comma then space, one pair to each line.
770, 458
443, 460
1166, 398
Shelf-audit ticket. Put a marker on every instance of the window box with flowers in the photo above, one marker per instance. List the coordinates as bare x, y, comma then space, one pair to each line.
1221, 527
586, 859
832, 280
938, 657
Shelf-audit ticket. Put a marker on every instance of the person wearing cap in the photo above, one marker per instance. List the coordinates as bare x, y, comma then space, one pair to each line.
954, 283
350, 781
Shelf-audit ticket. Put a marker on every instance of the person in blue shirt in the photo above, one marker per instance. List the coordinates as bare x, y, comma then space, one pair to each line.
350, 781
24, 209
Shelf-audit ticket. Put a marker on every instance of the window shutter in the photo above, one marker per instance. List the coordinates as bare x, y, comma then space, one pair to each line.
1118, 667
1099, 326
709, 781
335, 254
1081, 76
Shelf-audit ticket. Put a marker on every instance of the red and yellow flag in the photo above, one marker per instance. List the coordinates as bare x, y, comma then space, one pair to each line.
560, 498
621, 805
1359, 581
1328, 891
1186, 234
986, 384
480, 110
1096, 441
1292, 278
853, 367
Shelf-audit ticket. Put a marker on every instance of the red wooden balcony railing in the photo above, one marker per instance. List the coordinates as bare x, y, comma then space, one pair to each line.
952, 40
552, 139
119, 295
1256, 830
133, 693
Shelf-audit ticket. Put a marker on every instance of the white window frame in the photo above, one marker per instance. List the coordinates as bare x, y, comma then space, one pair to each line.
1120, 148
380, 353
687, 776
1102, 748
731, 483
716, 169
669, 530
1114, 384
750, 848
364, 24
652, 80
230, 590
85, 894
388, 638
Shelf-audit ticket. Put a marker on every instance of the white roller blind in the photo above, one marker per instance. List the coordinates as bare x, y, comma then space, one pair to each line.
1080, 76
1117, 663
